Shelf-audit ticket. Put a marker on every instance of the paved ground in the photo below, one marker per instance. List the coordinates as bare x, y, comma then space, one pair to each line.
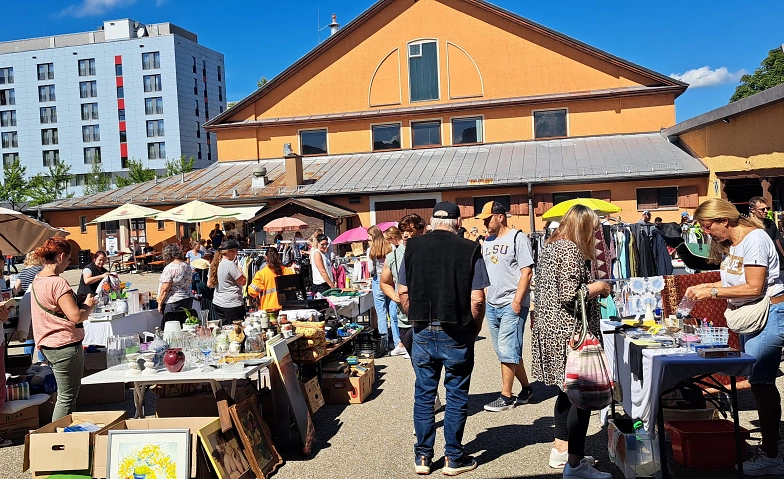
375, 439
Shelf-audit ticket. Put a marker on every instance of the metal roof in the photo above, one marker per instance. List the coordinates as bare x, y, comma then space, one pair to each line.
568, 160
312, 204
744, 105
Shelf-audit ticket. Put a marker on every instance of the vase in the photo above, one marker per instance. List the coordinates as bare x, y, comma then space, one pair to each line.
121, 306
174, 360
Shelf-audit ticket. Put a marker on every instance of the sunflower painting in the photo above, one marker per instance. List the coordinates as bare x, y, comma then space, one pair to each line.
148, 454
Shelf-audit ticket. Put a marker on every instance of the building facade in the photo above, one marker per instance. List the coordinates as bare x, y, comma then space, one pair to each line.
125, 91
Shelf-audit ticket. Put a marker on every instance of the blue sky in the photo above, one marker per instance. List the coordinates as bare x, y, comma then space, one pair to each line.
710, 42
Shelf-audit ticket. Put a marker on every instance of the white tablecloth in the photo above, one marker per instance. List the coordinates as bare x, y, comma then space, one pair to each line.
98, 332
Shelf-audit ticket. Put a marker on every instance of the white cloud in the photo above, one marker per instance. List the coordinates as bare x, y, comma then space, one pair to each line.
89, 8
705, 77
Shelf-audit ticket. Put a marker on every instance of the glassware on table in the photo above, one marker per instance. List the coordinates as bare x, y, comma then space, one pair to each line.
685, 307
206, 344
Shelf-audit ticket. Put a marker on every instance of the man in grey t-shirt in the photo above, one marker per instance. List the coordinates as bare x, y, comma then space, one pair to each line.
509, 261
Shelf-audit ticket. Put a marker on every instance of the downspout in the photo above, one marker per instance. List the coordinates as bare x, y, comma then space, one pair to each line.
531, 214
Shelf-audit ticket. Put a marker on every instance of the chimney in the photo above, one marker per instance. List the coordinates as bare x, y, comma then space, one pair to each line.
292, 166
334, 26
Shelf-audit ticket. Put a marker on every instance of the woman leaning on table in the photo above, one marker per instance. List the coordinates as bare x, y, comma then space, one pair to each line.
564, 270
92, 275
749, 272
57, 323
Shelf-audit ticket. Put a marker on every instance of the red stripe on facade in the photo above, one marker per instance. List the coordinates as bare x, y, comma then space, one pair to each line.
118, 59
121, 103
122, 126
119, 81
123, 149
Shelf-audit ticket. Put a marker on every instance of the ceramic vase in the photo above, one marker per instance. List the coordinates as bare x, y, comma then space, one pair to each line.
174, 360
121, 306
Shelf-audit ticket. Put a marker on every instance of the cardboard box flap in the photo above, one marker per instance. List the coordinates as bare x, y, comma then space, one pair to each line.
71, 453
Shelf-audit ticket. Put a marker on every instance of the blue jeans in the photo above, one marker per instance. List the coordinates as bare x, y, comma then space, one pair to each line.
452, 349
506, 331
385, 306
766, 346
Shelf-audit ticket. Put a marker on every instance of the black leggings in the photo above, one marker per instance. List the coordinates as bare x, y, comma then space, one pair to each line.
229, 315
571, 424
407, 338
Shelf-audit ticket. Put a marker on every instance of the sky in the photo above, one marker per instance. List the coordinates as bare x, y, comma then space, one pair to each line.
708, 44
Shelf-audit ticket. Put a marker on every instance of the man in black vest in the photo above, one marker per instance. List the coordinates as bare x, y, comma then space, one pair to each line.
441, 289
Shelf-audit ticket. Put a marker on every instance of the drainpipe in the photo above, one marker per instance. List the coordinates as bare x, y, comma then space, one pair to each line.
531, 214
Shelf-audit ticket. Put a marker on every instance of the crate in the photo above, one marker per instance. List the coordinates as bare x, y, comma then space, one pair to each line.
709, 336
369, 342
704, 444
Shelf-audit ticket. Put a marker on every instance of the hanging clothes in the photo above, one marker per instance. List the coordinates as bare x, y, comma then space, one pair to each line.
661, 256
339, 273
601, 266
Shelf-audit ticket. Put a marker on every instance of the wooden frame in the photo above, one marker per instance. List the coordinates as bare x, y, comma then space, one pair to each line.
138, 452
255, 435
218, 445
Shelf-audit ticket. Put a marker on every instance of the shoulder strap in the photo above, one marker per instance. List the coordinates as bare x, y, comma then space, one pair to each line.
514, 242
47, 310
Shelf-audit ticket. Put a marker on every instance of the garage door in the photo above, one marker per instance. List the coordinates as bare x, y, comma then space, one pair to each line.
394, 210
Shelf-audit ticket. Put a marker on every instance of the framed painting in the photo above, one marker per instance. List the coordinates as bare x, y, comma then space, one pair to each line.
259, 450
225, 452
147, 454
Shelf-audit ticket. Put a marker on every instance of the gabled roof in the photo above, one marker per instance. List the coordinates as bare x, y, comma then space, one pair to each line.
312, 204
381, 4
745, 105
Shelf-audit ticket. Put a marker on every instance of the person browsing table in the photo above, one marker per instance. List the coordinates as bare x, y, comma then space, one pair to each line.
227, 279
92, 275
174, 288
322, 267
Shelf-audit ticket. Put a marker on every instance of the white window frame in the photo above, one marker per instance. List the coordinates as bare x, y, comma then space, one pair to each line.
384, 123
299, 138
420, 41
466, 117
424, 120
533, 124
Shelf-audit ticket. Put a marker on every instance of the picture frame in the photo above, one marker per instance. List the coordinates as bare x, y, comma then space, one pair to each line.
225, 451
256, 437
162, 453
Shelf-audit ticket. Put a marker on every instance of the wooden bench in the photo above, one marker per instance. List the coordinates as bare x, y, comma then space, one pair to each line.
158, 263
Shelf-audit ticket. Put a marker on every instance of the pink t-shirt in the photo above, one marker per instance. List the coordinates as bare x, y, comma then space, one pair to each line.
48, 329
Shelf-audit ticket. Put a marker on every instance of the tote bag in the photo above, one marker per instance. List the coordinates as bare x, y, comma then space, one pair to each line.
587, 380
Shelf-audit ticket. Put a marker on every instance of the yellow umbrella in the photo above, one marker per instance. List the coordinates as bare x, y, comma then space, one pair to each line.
128, 211
601, 207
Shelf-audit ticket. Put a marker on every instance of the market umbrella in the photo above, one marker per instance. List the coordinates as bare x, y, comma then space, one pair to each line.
386, 225
128, 211
353, 235
196, 211
285, 224
20, 234
601, 207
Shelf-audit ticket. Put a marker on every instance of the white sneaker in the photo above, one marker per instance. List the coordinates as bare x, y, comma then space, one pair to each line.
437, 404
584, 471
407, 356
764, 466
398, 351
559, 459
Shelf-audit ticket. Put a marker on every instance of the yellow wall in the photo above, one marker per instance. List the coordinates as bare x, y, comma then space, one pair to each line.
751, 141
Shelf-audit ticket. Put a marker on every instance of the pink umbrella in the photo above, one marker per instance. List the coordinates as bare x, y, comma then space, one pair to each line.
353, 235
285, 224
386, 225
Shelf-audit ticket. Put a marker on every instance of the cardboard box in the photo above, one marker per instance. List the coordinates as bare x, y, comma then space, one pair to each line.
313, 394
200, 404
199, 467
342, 389
18, 424
92, 394
48, 451
95, 361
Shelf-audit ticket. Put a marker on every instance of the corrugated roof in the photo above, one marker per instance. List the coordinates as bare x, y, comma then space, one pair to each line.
745, 105
572, 160
312, 204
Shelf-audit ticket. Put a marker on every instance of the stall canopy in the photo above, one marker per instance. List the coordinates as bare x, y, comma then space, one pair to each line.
285, 224
128, 211
197, 211
245, 213
20, 234
601, 207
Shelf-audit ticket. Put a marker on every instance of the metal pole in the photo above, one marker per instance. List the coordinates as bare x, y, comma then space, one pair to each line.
531, 214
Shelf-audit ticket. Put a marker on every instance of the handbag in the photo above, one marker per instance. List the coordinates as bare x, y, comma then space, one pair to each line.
587, 380
749, 318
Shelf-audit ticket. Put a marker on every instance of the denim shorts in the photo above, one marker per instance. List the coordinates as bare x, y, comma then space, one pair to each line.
766, 346
506, 331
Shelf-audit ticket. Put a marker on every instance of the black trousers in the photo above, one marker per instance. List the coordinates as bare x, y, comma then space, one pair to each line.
571, 424
407, 338
228, 315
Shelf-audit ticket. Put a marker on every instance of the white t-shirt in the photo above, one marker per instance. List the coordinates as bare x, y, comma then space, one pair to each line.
317, 277
756, 249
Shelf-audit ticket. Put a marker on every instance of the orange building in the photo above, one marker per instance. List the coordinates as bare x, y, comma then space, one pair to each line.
418, 101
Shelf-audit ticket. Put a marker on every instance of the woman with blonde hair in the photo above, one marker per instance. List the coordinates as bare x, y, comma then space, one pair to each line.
33, 266
377, 253
562, 272
750, 280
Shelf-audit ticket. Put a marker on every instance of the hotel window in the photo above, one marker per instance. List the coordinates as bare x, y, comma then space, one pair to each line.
121, 114
7, 97
123, 137
313, 142
9, 158
204, 68
8, 118
151, 61
195, 86
120, 92
550, 124
46, 93
87, 67
118, 70
198, 154
10, 139
49, 136
386, 137
425, 133
89, 111
45, 71
152, 83
209, 154
220, 93
51, 157
91, 133
198, 130
196, 103
423, 70
657, 198
88, 89
561, 196
220, 78
153, 106
83, 224
194, 64
124, 162
467, 130
49, 114
156, 151
154, 128
6, 75
92, 155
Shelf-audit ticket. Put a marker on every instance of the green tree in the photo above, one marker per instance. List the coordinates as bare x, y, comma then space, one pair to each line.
15, 188
137, 173
231, 104
769, 74
183, 165
52, 187
262, 81
96, 180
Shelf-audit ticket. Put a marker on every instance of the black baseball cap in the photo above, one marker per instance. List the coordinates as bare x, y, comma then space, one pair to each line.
446, 210
230, 244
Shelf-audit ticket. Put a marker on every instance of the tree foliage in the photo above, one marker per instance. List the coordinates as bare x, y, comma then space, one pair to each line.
769, 74
47, 188
231, 104
96, 180
137, 173
14, 190
262, 81
183, 165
